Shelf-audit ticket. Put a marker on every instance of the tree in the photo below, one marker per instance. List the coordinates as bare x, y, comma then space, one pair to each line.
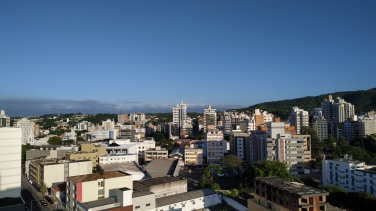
232, 162
68, 142
316, 144
265, 168
159, 138
55, 140
80, 139
43, 189
207, 177
201, 135
190, 136
98, 169
357, 153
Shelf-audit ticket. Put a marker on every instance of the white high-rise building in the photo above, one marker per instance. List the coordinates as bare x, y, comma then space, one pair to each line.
337, 110
27, 131
179, 117
226, 123
210, 118
136, 116
298, 119
10, 162
4, 120
317, 113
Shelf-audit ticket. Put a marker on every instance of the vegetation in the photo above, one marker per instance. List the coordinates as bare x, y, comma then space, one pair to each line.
316, 144
80, 139
365, 145
98, 169
98, 118
363, 101
207, 177
43, 189
68, 142
24, 149
55, 140
231, 163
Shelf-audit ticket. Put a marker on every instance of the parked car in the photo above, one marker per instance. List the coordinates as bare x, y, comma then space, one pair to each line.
43, 203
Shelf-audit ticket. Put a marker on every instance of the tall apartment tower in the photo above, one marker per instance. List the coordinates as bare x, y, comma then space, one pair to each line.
298, 119
226, 123
210, 118
216, 146
27, 131
179, 115
4, 120
122, 118
10, 163
337, 110
108, 124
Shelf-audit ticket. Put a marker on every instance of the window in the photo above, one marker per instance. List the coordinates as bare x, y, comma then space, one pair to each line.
136, 207
148, 204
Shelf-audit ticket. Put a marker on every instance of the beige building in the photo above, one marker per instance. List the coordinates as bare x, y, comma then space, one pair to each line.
122, 118
215, 145
307, 147
108, 124
155, 153
74, 155
193, 154
91, 187
53, 172
210, 118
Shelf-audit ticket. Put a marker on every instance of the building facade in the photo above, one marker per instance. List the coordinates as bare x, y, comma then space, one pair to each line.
215, 146
155, 153
337, 110
27, 131
122, 118
108, 124
193, 155
179, 117
210, 118
4, 120
298, 119
321, 127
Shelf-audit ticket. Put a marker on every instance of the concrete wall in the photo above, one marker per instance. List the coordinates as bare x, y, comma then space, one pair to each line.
111, 185
10, 162
53, 174
168, 189
80, 168
89, 191
143, 201
194, 204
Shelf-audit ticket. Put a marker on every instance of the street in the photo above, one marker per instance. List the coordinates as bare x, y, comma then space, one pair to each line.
30, 194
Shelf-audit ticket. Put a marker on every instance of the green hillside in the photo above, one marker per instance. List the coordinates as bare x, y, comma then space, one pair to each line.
363, 100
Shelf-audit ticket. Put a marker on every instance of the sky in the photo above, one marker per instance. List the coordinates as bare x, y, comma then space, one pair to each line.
112, 56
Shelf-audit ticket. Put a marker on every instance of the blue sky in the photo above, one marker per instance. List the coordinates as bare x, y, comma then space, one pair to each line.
107, 56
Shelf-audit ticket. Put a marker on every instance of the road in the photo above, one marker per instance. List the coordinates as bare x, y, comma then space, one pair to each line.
30, 194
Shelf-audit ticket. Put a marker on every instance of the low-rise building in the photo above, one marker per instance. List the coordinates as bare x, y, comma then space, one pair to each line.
352, 175
74, 155
52, 172
155, 153
278, 194
161, 186
91, 187
177, 153
118, 158
307, 147
121, 146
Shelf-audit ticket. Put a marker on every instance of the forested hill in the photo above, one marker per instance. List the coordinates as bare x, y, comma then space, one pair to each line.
364, 101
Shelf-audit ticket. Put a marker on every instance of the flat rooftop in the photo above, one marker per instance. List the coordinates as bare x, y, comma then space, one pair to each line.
183, 197
144, 184
100, 202
96, 176
291, 187
141, 193
370, 170
348, 161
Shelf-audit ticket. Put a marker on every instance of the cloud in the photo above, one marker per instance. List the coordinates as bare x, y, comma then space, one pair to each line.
33, 107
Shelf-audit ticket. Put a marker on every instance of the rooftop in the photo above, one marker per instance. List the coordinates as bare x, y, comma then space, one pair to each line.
161, 167
348, 161
157, 181
291, 187
369, 161
153, 149
370, 170
183, 197
60, 187
141, 193
100, 202
123, 167
96, 176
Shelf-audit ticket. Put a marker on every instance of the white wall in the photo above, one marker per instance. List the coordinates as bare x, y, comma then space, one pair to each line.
10, 162
125, 158
80, 168
110, 185
89, 191
53, 174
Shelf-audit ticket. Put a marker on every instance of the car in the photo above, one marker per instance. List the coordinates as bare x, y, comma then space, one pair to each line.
43, 203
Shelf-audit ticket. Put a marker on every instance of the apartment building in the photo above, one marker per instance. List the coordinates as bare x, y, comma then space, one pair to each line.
210, 118
216, 146
53, 172
128, 134
122, 118
155, 153
352, 175
108, 124
321, 127
121, 146
27, 131
278, 194
179, 116
100, 135
193, 155
337, 110
226, 123
278, 145
307, 147
137, 116
298, 119
91, 187
239, 145
4, 120
353, 130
